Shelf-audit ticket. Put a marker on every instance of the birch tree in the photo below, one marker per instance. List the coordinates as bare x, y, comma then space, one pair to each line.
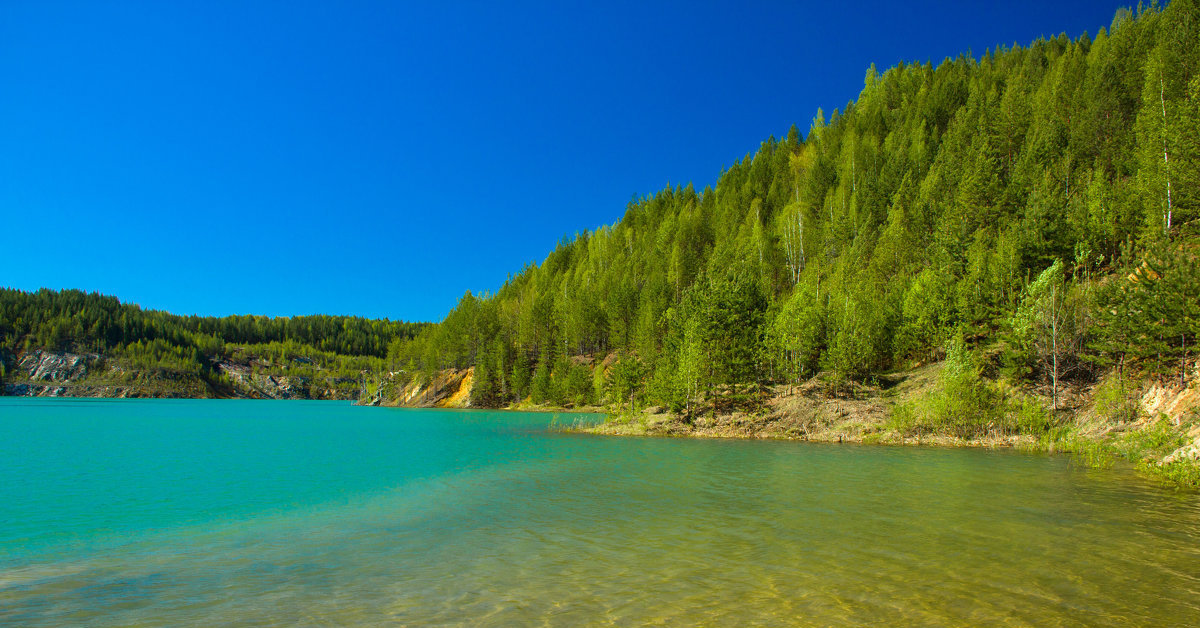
1049, 326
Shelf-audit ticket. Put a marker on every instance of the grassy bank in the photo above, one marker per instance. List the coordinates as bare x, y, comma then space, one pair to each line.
1152, 425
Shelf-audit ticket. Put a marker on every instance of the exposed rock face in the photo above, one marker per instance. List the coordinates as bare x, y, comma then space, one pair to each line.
49, 366
249, 382
255, 384
1181, 405
45, 373
448, 389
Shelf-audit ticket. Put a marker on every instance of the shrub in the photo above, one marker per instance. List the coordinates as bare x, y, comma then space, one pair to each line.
1115, 399
968, 406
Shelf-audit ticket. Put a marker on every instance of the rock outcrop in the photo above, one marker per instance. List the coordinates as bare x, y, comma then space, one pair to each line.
51, 366
46, 373
1180, 403
61, 373
448, 389
253, 383
260, 383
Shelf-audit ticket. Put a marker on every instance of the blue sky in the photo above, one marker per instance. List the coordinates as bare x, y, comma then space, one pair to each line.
381, 158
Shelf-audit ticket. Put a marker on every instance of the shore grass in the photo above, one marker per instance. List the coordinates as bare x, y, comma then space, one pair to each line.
1099, 425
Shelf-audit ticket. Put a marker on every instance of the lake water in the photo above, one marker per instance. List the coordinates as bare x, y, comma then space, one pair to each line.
190, 512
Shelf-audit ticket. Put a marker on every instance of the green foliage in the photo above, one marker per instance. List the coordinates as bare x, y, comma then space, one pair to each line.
859, 340
797, 334
725, 317
1178, 473
486, 384
1049, 191
1115, 399
968, 406
75, 320
928, 203
540, 390
927, 315
1050, 326
1157, 440
625, 380
1027, 415
521, 378
164, 347
1147, 447
1144, 445
1150, 313
578, 386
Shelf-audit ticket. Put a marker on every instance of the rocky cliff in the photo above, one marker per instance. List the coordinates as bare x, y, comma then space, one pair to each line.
45, 373
1179, 404
49, 374
447, 389
56, 367
258, 383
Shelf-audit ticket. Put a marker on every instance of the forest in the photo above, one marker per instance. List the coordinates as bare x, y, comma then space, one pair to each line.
1034, 210
72, 320
1030, 216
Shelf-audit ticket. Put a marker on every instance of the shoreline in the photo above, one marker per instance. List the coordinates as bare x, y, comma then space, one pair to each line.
1160, 435
1156, 427
1151, 424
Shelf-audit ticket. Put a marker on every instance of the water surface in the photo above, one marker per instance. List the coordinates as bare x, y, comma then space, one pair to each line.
192, 512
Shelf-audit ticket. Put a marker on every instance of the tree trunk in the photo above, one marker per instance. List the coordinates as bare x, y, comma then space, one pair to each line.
1166, 162
1054, 316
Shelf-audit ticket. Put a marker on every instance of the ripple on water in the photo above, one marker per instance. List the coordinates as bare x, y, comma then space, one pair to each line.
358, 516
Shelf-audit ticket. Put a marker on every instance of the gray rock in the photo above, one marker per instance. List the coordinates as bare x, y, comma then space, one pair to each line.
52, 366
17, 390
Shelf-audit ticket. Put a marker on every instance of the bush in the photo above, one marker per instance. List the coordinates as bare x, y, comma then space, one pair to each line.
1155, 441
541, 389
968, 406
579, 385
1030, 416
1115, 399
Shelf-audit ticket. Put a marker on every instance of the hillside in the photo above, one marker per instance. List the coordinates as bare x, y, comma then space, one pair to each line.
1031, 213
72, 343
1027, 222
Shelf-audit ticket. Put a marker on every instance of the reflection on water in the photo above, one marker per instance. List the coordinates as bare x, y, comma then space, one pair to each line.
291, 513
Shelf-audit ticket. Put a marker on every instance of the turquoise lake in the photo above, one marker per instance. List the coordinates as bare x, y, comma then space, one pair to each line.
293, 513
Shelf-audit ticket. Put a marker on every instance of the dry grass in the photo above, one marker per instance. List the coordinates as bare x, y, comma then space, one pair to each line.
812, 411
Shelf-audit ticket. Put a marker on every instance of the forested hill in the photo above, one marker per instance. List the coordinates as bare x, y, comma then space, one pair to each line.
1038, 204
76, 320
158, 353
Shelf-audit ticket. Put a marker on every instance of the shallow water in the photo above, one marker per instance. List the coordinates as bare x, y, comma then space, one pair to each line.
154, 513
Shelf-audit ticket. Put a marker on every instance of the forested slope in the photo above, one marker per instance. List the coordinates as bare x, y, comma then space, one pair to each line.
147, 352
1028, 222
1036, 207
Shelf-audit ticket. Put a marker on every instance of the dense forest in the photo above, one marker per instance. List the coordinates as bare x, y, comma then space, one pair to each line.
1035, 208
150, 340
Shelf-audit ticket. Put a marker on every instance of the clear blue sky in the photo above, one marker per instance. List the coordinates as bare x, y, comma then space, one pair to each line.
380, 158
